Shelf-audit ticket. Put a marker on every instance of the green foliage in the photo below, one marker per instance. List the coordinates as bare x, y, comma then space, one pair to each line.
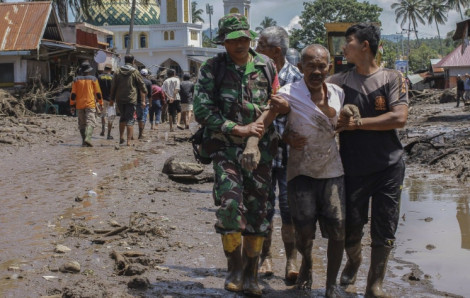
419, 58
458, 5
392, 52
420, 54
196, 13
267, 22
437, 12
206, 41
316, 14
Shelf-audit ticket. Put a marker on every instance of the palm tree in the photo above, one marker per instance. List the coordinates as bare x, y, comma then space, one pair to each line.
458, 5
410, 11
267, 22
436, 12
196, 13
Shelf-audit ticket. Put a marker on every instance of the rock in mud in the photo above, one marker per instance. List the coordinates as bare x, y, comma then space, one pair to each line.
173, 166
430, 247
140, 283
70, 267
135, 269
61, 249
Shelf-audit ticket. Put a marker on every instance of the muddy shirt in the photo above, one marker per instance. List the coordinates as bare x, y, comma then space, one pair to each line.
319, 158
242, 93
365, 152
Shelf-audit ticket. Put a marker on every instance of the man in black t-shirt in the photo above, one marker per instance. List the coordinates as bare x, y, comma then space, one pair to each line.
371, 153
186, 95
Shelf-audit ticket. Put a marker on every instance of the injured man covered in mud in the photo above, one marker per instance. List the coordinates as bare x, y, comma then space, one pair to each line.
315, 177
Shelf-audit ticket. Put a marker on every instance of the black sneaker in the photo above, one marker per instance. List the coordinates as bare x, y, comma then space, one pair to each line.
110, 138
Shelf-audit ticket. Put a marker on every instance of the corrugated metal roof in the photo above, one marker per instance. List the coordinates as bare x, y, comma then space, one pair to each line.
415, 78
435, 68
456, 58
23, 24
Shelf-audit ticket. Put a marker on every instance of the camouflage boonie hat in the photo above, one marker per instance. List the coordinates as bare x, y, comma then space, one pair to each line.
233, 26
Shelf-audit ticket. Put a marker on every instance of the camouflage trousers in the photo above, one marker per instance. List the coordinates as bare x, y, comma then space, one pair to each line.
242, 196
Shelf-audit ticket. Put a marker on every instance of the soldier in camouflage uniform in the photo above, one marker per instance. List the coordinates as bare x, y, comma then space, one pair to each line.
229, 114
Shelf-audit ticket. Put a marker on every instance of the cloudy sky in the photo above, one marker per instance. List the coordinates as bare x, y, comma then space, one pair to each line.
286, 13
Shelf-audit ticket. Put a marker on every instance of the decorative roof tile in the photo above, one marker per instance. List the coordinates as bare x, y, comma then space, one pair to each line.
114, 13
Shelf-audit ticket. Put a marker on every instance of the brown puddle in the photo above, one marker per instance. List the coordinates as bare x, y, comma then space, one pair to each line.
434, 231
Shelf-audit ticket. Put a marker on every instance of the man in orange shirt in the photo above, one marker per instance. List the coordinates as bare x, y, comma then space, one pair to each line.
85, 92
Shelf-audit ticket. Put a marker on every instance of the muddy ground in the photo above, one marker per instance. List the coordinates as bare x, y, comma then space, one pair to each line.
136, 233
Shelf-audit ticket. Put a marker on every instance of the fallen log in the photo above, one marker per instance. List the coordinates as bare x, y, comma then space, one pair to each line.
440, 156
408, 147
108, 234
121, 262
116, 231
133, 254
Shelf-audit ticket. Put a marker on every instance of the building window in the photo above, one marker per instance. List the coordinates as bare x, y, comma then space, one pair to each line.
110, 41
246, 12
165, 35
143, 40
193, 35
7, 75
171, 12
126, 41
172, 35
234, 10
186, 11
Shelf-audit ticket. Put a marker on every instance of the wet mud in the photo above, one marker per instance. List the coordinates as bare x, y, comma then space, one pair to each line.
133, 231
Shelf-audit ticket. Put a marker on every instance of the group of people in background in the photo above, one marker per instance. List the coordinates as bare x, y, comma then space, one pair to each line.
133, 95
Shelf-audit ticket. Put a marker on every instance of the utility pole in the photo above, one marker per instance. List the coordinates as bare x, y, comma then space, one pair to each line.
408, 31
210, 11
402, 49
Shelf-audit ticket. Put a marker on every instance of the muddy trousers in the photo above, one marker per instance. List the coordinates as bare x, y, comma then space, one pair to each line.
312, 200
383, 191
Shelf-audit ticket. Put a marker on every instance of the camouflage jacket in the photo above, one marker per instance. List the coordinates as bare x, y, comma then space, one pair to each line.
242, 94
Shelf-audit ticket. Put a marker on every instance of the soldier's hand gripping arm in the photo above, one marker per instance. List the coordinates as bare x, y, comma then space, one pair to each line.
251, 155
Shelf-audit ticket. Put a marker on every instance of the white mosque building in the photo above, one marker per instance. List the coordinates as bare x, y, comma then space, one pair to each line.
163, 35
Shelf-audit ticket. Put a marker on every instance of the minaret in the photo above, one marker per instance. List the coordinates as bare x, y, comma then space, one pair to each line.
238, 6
175, 11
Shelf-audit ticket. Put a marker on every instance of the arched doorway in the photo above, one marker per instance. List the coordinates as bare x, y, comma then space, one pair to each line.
170, 64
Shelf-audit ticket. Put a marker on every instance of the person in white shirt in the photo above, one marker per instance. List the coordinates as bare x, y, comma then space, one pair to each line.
315, 177
171, 87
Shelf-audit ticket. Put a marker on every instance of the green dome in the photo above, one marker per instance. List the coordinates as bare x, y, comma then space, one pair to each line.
119, 13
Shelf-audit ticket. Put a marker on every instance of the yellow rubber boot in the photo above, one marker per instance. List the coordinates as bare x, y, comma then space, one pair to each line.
233, 251
252, 246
